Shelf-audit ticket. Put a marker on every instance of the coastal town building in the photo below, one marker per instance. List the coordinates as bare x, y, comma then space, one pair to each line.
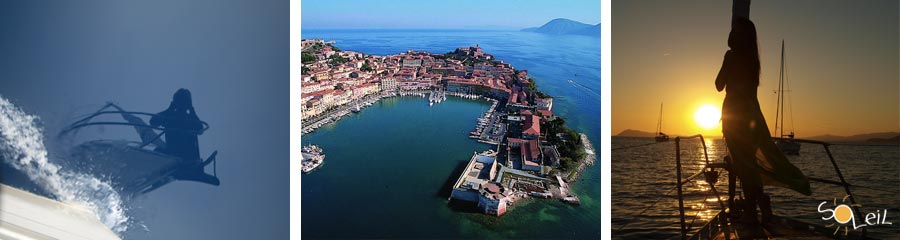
477, 186
388, 84
543, 103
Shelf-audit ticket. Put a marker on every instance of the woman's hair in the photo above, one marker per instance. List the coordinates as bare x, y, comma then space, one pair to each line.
182, 99
743, 42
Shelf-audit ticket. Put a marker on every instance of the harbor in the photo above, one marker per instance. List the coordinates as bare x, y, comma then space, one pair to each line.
413, 184
339, 112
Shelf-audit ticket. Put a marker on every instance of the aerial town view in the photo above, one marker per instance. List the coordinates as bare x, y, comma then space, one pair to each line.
463, 127
526, 162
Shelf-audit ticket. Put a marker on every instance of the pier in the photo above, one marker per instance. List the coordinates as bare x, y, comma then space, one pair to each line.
488, 128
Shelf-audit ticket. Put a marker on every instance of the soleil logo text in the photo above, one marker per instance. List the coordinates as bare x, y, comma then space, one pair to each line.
843, 214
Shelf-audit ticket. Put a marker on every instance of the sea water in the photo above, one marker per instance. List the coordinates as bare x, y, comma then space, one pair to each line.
644, 203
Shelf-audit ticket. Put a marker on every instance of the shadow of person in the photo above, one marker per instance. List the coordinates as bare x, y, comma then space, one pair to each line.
181, 127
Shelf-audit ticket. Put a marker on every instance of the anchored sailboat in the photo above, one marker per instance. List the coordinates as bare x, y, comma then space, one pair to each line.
660, 136
785, 142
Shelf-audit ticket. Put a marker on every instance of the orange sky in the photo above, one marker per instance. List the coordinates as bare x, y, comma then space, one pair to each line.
841, 57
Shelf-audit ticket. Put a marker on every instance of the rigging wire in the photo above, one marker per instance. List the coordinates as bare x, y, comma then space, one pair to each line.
793, 130
703, 206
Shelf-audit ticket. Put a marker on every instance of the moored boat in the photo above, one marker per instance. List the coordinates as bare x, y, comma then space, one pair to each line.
312, 158
660, 136
785, 142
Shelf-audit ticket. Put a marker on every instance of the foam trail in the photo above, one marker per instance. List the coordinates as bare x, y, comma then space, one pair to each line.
582, 86
22, 147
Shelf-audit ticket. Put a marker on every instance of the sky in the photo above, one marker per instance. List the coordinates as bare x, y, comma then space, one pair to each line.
464, 14
841, 58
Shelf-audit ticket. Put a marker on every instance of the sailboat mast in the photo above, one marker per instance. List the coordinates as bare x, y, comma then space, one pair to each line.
781, 88
659, 122
779, 105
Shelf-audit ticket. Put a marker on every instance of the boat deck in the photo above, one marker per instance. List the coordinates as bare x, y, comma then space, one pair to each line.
25, 215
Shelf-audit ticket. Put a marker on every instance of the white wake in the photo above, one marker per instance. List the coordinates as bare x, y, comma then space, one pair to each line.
22, 146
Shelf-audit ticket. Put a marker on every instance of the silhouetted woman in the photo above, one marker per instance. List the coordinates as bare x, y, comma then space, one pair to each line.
181, 126
755, 158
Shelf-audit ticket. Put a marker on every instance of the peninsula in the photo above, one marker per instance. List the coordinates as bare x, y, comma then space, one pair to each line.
536, 155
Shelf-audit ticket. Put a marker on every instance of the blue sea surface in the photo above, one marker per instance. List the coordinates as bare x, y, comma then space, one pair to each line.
385, 167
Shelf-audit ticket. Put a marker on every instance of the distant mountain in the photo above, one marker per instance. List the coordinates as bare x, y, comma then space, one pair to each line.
562, 26
893, 140
589, 31
857, 138
635, 133
642, 134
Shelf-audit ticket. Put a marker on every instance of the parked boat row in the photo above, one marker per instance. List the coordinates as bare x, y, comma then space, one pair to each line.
340, 113
436, 97
466, 96
334, 117
313, 157
363, 104
488, 128
410, 93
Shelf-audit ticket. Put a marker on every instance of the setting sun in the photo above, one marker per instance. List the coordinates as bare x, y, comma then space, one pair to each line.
707, 117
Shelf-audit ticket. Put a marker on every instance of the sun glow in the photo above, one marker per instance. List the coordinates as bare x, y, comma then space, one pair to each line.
707, 117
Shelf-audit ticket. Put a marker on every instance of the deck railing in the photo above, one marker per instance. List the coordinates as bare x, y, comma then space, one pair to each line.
709, 173
719, 223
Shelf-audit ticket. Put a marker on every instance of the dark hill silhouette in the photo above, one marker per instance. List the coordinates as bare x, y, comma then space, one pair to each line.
635, 133
561, 26
893, 140
855, 138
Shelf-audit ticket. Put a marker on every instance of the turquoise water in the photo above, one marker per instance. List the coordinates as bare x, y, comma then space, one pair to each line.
387, 166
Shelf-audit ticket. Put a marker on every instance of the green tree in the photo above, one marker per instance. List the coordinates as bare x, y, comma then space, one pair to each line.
307, 58
366, 67
337, 59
